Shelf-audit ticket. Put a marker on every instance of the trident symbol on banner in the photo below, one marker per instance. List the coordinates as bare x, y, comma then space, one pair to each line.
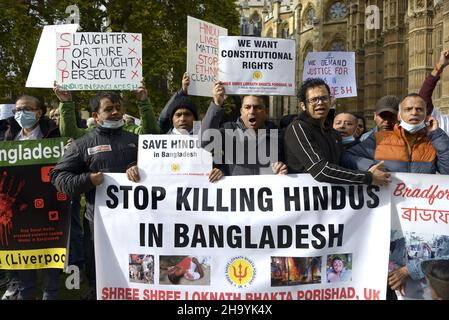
240, 275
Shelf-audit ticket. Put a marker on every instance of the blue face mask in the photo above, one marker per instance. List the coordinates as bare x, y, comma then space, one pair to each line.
112, 124
26, 119
347, 140
412, 128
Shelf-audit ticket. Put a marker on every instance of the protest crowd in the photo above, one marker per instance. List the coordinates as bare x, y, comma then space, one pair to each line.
332, 146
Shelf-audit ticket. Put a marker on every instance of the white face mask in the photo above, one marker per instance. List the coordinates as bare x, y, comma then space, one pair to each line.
347, 140
112, 124
412, 128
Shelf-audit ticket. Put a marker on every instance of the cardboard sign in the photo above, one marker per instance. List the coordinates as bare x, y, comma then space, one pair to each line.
6, 111
173, 154
336, 68
42, 74
99, 61
202, 55
262, 66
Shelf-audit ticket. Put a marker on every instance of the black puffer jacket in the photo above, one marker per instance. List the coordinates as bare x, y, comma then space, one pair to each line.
102, 150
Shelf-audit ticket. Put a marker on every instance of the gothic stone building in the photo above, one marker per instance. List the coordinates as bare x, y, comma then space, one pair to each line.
397, 43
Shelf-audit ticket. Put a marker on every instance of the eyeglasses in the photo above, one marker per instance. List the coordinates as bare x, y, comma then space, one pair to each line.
314, 101
15, 110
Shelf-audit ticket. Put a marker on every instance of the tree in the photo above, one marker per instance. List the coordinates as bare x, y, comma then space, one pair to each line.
163, 24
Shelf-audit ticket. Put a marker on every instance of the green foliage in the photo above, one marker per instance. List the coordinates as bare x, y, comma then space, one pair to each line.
163, 24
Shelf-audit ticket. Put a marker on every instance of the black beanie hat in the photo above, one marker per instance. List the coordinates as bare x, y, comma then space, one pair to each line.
182, 102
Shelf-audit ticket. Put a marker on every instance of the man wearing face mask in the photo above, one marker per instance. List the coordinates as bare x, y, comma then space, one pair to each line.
346, 124
67, 119
30, 122
108, 148
414, 145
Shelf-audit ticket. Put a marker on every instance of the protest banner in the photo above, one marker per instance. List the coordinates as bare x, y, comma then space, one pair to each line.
34, 217
99, 61
262, 66
172, 154
202, 55
282, 238
42, 72
420, 225
6, 111
336, 68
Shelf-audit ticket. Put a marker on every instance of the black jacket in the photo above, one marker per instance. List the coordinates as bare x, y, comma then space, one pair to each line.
310, 148
102, 150
235, 133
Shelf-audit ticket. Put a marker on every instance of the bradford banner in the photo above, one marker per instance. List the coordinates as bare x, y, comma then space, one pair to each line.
419, 227
34, 217
282, 238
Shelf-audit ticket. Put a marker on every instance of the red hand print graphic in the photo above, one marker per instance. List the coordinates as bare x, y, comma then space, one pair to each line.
8, 197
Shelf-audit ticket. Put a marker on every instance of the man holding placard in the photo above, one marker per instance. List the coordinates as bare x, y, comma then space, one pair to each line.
108, 148
177, 118
246, 141
68, 119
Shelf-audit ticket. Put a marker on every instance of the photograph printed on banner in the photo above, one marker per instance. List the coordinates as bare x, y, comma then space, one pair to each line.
416, 246
425, 246
410, 248
292, 271
141, 268
184, 270
339, 267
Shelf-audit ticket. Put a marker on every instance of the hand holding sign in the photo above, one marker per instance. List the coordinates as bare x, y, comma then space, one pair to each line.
218, 93
380, 178
96, 178
133, 174
142, 92
185, 82
63, 96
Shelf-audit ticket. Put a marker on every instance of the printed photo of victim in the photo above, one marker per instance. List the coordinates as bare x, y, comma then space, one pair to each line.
141, 268
293, 271
184, 270
339, 268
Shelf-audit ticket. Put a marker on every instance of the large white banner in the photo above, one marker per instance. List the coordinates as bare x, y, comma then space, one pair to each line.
99, 61
282, 238
336, 68
202, 55
172, 154
263, 66
420, 225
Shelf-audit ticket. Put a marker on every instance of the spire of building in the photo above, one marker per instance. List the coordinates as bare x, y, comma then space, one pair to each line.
265, 7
